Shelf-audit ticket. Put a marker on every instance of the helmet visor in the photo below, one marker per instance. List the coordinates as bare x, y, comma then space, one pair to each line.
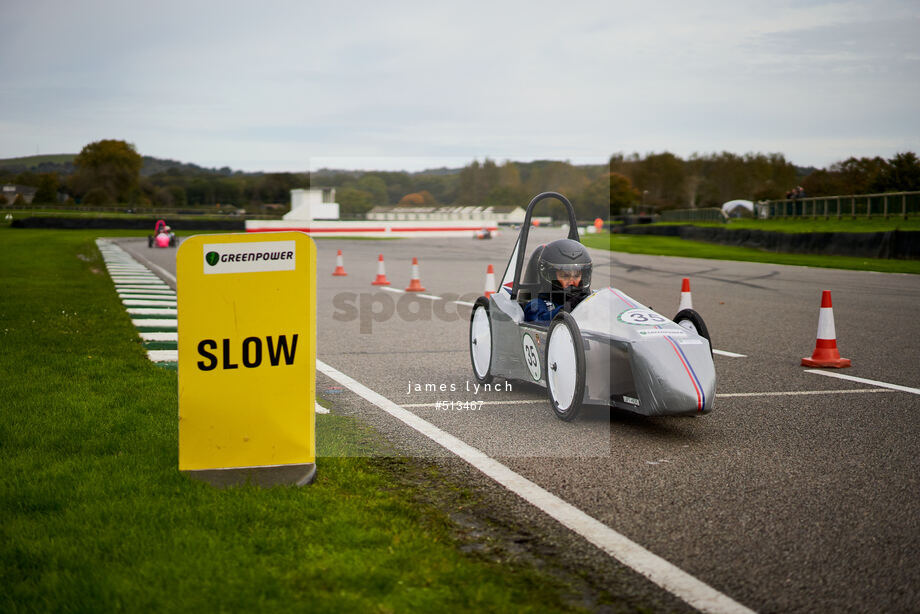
575, 274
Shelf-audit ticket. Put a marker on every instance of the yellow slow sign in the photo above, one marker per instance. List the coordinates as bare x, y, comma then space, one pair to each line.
247, 350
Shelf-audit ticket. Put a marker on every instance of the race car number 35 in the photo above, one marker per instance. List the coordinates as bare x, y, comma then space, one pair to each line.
531, 357
642, 317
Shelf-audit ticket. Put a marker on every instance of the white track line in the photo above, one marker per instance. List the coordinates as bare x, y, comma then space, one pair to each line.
398, 291
150, 311
163, 355
163, 273
511, 402
669, 577
721, 395
137, 302
464, 303
159, 336
165, 289
793, 393
729, 354
863, 380
154, 323
147, 297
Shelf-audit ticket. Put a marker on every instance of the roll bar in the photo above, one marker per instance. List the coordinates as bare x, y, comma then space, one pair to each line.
525, 231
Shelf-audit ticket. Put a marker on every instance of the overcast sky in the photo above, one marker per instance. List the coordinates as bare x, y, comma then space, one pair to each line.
286, 86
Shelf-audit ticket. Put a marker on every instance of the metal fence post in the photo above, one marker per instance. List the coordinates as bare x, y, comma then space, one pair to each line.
868, 207
838, 207
853, 204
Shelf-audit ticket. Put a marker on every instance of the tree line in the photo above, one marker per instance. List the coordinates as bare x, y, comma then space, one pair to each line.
110, 172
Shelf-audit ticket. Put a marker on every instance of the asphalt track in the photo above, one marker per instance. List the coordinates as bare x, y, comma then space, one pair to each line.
798, 493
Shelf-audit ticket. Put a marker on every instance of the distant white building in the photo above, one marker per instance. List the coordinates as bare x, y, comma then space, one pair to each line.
486, 214
10, 191
313, 204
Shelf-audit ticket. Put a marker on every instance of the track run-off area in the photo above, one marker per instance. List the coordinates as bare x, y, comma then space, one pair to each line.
799, 492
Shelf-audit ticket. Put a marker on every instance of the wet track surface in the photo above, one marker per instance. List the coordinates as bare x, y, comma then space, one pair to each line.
784, 502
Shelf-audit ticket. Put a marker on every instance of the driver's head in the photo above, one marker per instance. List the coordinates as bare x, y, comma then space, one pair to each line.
565, 265
568, 278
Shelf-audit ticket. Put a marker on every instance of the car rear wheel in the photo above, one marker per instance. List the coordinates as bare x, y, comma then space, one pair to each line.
481, 341
565, 367
689, 319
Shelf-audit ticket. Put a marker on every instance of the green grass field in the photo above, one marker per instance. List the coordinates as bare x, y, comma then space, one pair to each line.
675, 246
799, 225
96, 516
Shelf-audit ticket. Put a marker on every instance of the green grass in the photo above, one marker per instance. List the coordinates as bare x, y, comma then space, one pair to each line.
675, 246
42, 211
96, 516
800, 225
30, 161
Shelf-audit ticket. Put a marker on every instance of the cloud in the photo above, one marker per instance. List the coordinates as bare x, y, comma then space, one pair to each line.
253, 86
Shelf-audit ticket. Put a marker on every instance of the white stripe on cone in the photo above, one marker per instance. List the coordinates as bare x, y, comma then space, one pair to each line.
381, 274
686, 300
415, 284
339, 265
826, 329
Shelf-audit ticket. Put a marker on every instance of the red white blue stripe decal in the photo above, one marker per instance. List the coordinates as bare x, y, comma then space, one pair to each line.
694, 380
623, 298
700, 395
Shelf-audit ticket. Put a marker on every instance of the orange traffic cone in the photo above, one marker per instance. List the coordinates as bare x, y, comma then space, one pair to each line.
686, 300
490, 281
339, 266
826, 353
416, 284
381, 274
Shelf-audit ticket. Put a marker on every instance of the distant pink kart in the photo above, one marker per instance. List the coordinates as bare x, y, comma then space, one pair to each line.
162, 236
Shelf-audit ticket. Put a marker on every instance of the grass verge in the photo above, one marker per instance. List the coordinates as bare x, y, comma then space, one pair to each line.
675, 246
819, 224
96, 516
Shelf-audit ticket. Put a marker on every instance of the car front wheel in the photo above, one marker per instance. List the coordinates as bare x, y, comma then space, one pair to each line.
565, 367
689, 319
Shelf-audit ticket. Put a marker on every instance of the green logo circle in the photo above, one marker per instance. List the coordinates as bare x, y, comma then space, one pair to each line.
212, 258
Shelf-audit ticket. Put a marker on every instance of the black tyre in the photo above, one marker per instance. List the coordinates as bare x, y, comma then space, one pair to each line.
565, 367
149, 240
692, 321
481, 341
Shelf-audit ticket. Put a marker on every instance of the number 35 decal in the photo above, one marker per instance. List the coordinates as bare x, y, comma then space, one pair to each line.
531, 357
642, 317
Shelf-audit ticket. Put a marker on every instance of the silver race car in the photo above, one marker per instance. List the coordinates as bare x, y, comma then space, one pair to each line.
607, 350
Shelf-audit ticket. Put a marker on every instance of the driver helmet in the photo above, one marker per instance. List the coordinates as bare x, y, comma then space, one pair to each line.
561, 259
167, 228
